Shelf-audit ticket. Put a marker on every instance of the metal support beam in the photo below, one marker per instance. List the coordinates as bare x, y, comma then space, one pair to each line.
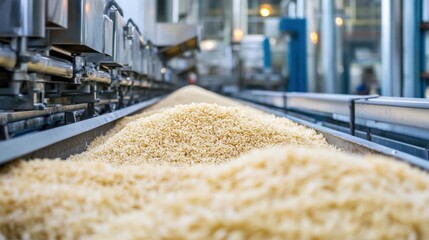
412, 14
228, 22
239, 19
328, 44
312, 25
391, 48
150, 11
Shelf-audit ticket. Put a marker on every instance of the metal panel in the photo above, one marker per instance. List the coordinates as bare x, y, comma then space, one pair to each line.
56, 13
93, 23
119, 49
420, 152
272, 98
326, 103
85, 27
146, 60
22, 18
335, 104
136, 53
107, 36
402, 115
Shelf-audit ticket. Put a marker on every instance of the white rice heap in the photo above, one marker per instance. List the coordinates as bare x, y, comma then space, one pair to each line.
281, 193
128, 184
199, 133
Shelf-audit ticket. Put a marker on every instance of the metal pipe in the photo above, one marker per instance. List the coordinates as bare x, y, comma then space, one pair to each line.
9, 117
142, 84
125, 82
7, 58
131, 22
39, 63
113, 3
62, 51
106, 101
51, 65
98, 76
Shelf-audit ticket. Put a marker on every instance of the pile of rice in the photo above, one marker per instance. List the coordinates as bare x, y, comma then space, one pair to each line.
281, 193
185, 95
128, 185
194, 94
199, 133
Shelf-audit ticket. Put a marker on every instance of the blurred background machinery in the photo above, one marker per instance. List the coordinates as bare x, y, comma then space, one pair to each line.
352, 46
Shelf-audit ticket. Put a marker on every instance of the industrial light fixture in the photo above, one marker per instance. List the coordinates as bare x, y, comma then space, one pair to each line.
339, 21
265, 10
237, 35
208, 45
314, 37
163, 70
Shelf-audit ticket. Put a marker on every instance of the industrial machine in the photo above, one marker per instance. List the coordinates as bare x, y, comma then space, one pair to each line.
64, 61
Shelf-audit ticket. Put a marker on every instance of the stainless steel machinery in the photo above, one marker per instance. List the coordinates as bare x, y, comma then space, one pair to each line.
62, 61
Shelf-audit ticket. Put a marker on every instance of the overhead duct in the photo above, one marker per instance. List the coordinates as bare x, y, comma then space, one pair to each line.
173, 40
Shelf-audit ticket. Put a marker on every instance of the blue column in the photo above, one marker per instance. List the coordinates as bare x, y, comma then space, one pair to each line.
267, 53
297, 53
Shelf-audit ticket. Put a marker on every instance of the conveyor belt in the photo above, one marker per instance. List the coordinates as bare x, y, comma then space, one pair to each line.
350, 143
74, 138
64, 141
398, 123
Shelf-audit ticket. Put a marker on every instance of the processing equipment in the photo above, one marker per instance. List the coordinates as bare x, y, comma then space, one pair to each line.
65, 61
